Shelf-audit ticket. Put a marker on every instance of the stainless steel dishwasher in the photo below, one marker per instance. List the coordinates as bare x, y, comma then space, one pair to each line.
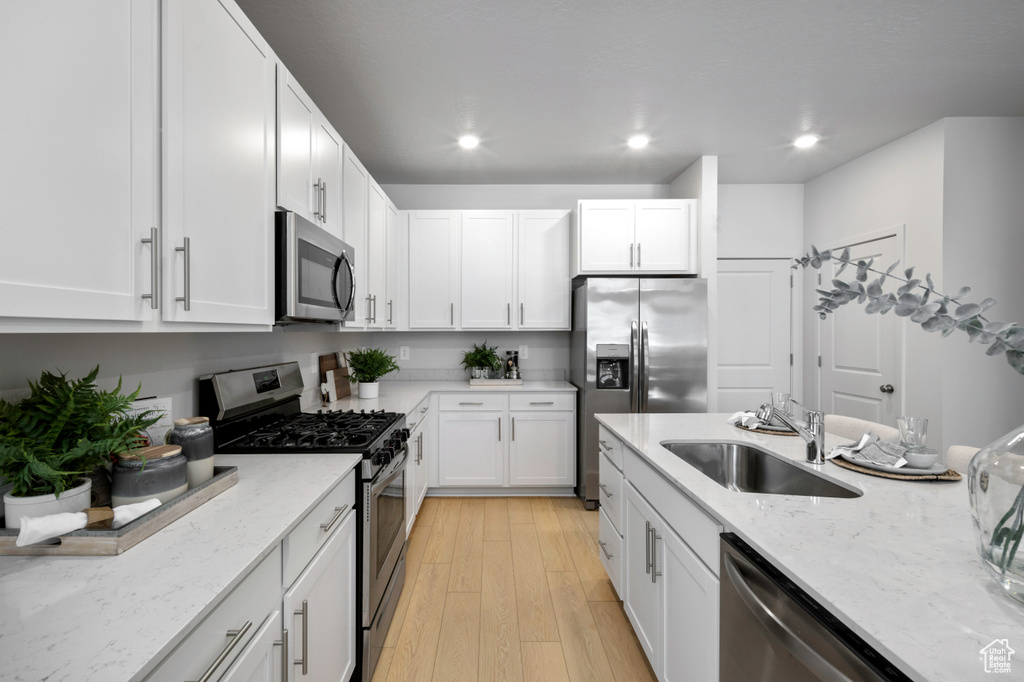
772, 631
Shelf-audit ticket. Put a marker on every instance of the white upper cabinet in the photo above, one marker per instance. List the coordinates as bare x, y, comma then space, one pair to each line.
376, 291
432, 242
355, 214
625, 237
79, 162
328, 176
219, 161
392, 312
542, 269
486, 270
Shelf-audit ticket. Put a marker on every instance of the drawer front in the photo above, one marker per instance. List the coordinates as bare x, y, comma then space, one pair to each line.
694, 526
473, 402
418, 414
251, 602
610, 446
610, 488
305, 539
542, 401
610, 549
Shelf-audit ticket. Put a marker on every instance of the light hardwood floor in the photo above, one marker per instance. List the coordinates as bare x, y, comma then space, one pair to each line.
511, 590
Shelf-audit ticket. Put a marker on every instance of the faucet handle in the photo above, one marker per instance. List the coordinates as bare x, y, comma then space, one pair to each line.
815, 420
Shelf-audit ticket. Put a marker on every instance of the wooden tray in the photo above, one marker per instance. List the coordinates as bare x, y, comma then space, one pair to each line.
495, 382
114, 542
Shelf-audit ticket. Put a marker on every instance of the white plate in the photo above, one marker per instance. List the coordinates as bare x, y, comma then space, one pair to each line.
937, 468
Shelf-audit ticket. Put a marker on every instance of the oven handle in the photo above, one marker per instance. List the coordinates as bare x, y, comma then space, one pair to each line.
384, 483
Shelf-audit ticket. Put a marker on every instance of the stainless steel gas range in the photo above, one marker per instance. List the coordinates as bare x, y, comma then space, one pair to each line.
257, 411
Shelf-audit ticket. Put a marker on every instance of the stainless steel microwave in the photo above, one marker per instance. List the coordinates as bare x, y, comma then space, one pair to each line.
314, 271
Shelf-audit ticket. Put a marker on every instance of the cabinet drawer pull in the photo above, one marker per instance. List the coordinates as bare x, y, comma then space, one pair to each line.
630, 255
304, 661
638, 260
236, 637
604, 489
470, 403
283, 643
604, 548
522, 313
154, 269
513, 428
508, 314
647, 547
186, 251
424, 409
544, 402
452, 308
391, 307
316, 204
499, 429
338, 511
323, 206
654, 555
604, 443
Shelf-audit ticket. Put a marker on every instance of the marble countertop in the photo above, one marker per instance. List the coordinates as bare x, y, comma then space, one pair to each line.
106, 619
898, 564
404, 396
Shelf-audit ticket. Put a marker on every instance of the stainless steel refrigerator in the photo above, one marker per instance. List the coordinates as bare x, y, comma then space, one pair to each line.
638, 345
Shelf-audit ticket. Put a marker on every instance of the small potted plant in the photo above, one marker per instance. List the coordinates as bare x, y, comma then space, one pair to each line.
51, 441
481, 358
367, 366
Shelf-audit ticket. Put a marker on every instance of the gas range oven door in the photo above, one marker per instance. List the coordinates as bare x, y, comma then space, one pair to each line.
383, 533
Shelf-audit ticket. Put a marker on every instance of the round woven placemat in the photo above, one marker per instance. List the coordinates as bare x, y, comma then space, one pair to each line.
949, 475
766, 431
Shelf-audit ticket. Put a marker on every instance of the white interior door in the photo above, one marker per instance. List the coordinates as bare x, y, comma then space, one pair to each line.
860, 353
754, 339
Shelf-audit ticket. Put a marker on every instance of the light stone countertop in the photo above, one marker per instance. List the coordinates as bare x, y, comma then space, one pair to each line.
106, 619
404, 396
898, 565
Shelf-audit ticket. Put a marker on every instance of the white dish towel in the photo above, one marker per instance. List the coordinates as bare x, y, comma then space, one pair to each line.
42, 528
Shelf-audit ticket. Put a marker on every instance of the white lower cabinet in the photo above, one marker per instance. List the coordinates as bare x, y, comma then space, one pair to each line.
418, 463
538, 447
320, 611
610, 545
472, 449
263, 659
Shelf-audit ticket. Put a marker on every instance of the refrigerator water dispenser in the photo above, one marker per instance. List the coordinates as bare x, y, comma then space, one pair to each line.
612, 366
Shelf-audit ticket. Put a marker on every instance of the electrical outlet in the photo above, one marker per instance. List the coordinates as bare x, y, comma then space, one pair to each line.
314, 363
524, 352
403, 352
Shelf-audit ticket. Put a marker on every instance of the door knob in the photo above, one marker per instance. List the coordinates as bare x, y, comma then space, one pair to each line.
886, 388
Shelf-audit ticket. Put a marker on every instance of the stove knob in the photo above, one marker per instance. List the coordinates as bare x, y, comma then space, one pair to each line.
403, 434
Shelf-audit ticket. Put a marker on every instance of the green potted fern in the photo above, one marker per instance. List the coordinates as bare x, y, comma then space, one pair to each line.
368, 365
52, 440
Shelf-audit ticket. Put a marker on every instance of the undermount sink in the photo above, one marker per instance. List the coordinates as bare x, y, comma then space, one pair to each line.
749, 469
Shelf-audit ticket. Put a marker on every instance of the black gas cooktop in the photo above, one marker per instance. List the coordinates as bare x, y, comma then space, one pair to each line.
321, 431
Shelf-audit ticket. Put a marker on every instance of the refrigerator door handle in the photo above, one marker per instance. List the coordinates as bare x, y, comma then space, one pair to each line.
645, 367
634, 361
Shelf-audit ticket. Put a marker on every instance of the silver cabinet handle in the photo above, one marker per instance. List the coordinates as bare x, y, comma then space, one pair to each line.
236, 637
304, 661
654, 555
522, 313
604, 548
316, 203
452, 313
154, 269
603, 442
283, 643
424, 409
513, 428
390, 311
647, 546
544, 402
638, 260
604, 489
338, 511
367, 308
186, 250
470, 403
508, 314
499, 429
323, 206
374, 301
884, 388
419, 449
630, 255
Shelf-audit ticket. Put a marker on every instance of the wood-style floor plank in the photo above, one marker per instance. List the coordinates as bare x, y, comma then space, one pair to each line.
458, 651
583, 549
428, 510
500, 657
496, 520
413, 559
443, 532
533, 596
592, 520
417, 643
467, 557
549, 532
520, 510
380, 673
624, 654
581, 642
544, 661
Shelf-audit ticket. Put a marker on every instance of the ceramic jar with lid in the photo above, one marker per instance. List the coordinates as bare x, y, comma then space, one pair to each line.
160, 471
195, 436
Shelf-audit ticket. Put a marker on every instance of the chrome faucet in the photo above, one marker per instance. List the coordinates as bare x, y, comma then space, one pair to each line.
813, 434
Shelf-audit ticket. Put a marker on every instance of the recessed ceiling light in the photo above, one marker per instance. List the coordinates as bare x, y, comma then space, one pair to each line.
469, 141
805, 141
638, 141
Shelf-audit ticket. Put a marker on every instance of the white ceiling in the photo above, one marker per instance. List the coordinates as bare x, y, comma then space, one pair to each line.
554, 87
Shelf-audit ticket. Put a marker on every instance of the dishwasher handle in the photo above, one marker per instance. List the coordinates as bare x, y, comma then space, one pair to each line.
775, 626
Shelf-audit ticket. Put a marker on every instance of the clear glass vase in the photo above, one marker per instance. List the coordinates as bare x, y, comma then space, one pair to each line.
995, 482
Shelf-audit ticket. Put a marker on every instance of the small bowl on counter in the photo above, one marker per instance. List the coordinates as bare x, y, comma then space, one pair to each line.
921, 459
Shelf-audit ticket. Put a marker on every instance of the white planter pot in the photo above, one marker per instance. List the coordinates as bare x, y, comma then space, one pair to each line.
368, 390
73, 500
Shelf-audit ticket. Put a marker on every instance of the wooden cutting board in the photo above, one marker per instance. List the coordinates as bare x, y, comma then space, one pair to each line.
330, 368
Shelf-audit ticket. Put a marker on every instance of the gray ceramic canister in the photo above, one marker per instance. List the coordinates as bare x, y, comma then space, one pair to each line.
163, 475
195, 436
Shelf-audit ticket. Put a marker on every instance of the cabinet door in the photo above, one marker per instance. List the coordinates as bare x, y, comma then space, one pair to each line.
79, 163
641, 600
320, 611
428, 458
261, 661
606, 236
390, 310
296, 148
689, 613
470, 448
376, 257
665, 240
219, 149
433, 252
412, 477
328, 172
542, 269
541, 448
355, 194
486, 270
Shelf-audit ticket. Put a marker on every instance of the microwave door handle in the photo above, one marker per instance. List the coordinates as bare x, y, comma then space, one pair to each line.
634, 358
344, 261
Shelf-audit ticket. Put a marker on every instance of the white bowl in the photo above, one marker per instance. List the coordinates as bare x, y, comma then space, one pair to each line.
922, 459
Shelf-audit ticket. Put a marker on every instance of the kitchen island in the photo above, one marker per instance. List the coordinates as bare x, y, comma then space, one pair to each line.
109, 619
898, 565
